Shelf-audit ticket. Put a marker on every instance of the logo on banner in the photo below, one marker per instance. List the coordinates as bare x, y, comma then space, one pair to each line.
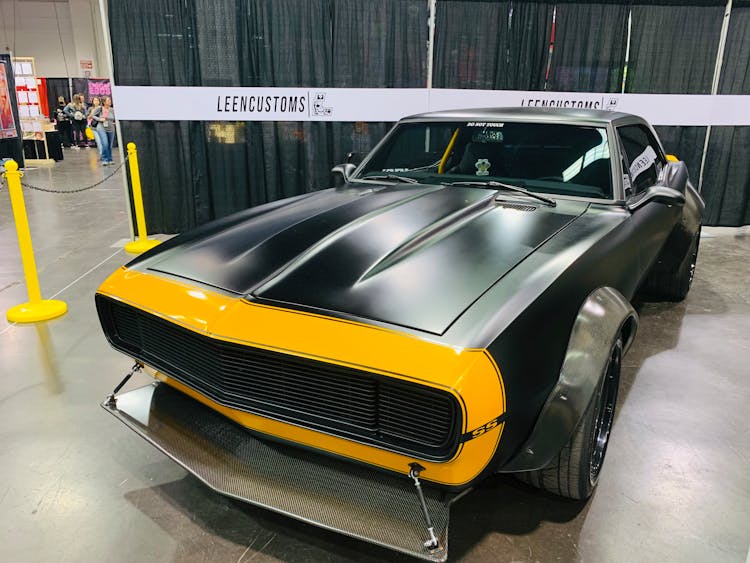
260, 104
587, 102
319, 108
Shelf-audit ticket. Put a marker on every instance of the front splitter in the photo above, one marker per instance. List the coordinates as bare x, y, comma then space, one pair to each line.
334, 494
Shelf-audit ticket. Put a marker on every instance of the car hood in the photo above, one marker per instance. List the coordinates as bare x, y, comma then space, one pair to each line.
414, 256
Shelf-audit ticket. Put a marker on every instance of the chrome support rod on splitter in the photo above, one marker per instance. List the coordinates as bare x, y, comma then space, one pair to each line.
432, 543
111, 397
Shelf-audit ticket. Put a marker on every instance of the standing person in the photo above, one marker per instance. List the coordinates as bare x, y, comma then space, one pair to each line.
95, 108
105, 120
76, 111
60, 116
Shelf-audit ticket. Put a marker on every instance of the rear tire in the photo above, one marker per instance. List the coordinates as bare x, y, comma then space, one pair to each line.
574, 473
674, 286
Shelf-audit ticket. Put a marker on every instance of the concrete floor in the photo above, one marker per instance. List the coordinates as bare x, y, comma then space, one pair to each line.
76, 485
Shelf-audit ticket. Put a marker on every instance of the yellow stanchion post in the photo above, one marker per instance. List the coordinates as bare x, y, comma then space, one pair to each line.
36, 309
143, 243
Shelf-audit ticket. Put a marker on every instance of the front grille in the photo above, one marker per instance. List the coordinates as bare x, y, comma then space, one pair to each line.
356, 404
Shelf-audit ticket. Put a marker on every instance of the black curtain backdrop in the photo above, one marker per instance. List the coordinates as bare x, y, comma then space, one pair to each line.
590, 61
686, 143
375, 45
491, 45
62, 87
197, 171
726, 178
476, 58
57, 87
379, 44
673, 51
80, 86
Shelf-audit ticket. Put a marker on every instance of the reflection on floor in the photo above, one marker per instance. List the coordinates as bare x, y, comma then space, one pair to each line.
77, 486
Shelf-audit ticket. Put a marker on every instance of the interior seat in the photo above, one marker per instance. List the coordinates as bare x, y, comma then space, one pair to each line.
596, 174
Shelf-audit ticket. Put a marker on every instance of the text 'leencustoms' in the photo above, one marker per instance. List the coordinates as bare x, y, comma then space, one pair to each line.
261, 104
579, 103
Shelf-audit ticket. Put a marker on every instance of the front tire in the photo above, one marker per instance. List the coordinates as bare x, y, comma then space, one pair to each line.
575, 471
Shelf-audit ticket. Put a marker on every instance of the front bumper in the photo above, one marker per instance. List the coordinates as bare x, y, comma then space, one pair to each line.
334, 494
469, 375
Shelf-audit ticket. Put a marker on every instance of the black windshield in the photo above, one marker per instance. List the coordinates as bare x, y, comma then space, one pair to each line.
552, 158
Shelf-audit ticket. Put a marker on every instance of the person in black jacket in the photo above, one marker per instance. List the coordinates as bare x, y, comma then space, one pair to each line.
76, 112
60, 117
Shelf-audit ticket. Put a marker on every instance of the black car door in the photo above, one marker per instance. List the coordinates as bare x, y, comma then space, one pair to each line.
643, 163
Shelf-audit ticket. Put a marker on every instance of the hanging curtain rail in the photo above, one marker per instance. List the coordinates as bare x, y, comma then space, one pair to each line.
432, 4
627, 50
715, 83
103, 6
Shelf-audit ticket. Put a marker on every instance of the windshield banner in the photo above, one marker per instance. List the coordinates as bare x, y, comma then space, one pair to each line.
165, 103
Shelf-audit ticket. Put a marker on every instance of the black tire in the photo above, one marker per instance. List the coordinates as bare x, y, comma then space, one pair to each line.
674, 286
574, 473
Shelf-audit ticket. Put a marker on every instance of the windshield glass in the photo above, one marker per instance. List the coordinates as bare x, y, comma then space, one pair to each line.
541, 157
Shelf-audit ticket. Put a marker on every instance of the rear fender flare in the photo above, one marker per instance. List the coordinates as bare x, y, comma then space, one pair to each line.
604, 315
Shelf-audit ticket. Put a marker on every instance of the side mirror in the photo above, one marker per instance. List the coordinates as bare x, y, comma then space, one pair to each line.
674, 175
670, 189
345, 170
659, 194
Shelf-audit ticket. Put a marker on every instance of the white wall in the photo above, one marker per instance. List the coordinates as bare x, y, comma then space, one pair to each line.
86, 25
57, 51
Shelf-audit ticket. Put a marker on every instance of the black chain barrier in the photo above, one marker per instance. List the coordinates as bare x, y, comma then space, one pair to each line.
77, 190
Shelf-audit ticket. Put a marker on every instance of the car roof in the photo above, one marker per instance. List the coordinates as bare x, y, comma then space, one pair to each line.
561, 115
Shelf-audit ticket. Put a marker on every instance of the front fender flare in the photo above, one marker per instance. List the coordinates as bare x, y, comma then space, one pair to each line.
604, 315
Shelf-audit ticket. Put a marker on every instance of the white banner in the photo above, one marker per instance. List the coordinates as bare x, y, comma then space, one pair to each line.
164, 103
657, 109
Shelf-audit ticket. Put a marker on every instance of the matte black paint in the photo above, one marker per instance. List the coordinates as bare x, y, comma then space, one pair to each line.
379, 255
447, 262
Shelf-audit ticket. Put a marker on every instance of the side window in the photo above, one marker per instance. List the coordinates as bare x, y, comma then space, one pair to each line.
626, 177
644, 158
415, 147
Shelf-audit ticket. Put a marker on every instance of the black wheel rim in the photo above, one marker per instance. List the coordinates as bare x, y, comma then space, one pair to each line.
605, 413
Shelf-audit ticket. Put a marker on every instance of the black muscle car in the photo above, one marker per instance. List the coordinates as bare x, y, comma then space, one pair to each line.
360, 356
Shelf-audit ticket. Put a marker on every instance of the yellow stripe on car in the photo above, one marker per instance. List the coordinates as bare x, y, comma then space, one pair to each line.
470, 375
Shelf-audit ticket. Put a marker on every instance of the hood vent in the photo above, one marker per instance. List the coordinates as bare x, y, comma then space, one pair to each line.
516, 206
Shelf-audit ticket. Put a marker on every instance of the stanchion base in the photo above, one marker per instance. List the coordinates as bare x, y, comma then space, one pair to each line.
141, 245
34, 312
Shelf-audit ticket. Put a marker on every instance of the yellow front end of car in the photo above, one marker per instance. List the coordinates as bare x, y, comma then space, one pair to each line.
470, 376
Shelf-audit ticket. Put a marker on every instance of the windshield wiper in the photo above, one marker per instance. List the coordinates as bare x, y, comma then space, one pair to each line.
394, 177
509, 187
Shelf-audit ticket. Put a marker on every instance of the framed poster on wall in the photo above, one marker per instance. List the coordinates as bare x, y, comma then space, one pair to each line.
7, 121
99, 87
10, 141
